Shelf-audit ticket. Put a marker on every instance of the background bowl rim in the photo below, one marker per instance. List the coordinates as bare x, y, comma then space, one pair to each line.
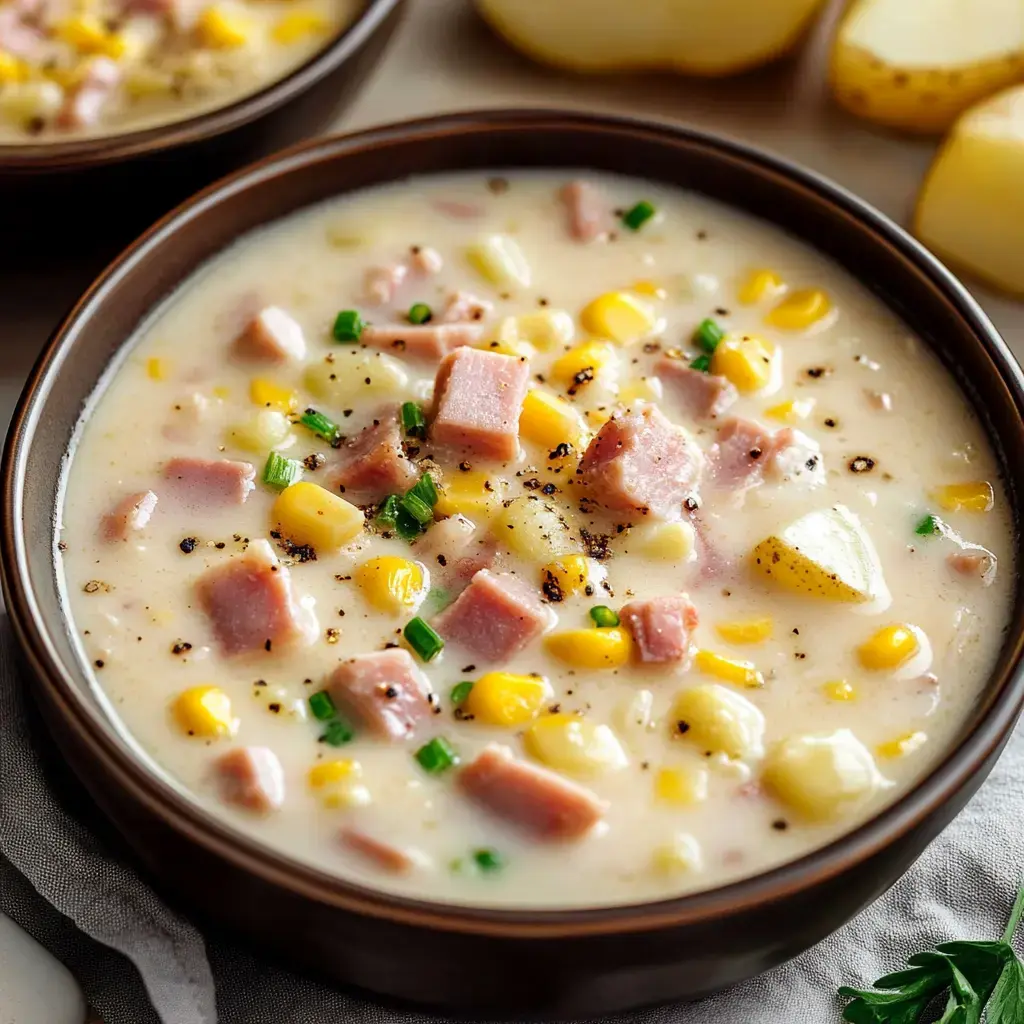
62, 681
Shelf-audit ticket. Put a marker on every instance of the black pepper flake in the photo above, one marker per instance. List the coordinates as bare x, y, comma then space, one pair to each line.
180, 647
442, 561
755, 453
332, 635
682, 728
391, 692
61, 546
862, 464
561, 451
815, 372
268, 645
220, 545
462, 716
780, 824
650, 347
263, 682
314, 461
532, 484
468, 668
596, 544
549, 489
98, 663
551, 587
465, 466
702, 236
691, 504
799, 655
275, 708
497, 186
298, 552
93, 586
830, 422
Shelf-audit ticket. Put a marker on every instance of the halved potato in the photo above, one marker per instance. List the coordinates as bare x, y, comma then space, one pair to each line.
917, 64
971, 208
704, 37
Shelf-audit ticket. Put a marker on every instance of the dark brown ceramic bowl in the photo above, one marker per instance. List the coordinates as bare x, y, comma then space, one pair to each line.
552, 963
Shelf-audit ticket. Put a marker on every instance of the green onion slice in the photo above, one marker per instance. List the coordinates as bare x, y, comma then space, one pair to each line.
321, 425
636, 216
387, 515
338, 733
437, 756
929, 526
280, 472
413, 422
348, 326
460, 692
417, 508
604, 616
708, 335
425, 489
322, 707
702, 363
488, 859
406, 526
420, 313
422, 639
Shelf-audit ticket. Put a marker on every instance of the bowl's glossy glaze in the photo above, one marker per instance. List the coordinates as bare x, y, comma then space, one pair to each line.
553, 963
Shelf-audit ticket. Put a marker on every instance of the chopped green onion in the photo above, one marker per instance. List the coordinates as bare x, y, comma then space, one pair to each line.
281, 472
604, 616
638, 215
437, 756
930, 526
338, 733
460, 692
322, 707
702, 363
488, 860
348, 326
320, 424
406, 526
417, 508
708, 335
422, 639
387, 514
425, 489
413, 422
420, 313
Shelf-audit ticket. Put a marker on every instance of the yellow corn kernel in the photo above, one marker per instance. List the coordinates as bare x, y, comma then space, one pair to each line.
307, 513
649, 288
273, 396
548, 420
156, 369
608, 647
221, 392
745, 360
499, 260
472, 493
571, 575
390, 584
682, 786
222, 30
502, 698
889, 648
669, 541
644, 389
544, 329
976, 496
800, 309
87, 34
761, 284
12, 69
591, 355
619, 316
339, 784
745, 631
205, 711
902, 746
571, 744
839, 689
793, 411
265, 429
293, 27
731, 670
141, 80
681, 855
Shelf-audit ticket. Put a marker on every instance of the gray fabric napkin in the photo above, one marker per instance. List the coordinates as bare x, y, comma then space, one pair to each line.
961, 888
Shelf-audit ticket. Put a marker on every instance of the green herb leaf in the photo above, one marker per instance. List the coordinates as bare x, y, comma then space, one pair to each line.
1007, 1003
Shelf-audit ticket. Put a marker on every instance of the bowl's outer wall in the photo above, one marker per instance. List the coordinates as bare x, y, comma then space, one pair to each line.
478, 960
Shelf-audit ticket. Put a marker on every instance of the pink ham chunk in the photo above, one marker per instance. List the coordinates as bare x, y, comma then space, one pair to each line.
740, 453
455, 550
84, 106
538, 802
661, 626
640, 462
383, 855
203, 484
271, 336
422, 341
464, 306
381, 284
385, 690
497, 615
128, 515
252, 778
374, 464
477, 399
250, 603
703, 395
587, 209
974, 563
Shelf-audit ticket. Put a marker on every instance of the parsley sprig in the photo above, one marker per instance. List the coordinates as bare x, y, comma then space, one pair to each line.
977, 978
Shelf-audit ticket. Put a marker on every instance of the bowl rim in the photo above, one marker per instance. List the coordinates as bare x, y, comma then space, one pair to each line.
273, 867
101, 150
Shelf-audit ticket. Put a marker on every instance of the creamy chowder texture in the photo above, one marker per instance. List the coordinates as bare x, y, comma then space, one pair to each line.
82, 68
534, 540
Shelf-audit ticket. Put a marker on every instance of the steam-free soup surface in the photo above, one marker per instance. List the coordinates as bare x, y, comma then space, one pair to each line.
534, 540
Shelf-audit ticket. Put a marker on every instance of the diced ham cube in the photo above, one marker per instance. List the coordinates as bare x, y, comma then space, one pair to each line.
374, 464
705, 396
422, 341
250, 603
383, 855
454, 550
85, 104
385, 690
426, 261
661, 626
795, 458
497, 615
537, 801
974, 563
251, 777
382, 283
271, 336
639, 461
589, 214
464, 306
203, 484
128, 515
740, 453
477, 399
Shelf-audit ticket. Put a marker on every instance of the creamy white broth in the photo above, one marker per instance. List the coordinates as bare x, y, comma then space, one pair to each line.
133, 602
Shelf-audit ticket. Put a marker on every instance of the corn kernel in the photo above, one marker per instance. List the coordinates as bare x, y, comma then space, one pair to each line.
548, 420
571, 575
221, 392
391, 584
800, 310
889, 648
472, 493
298, 25
745, 631
669, 541
682, 786
221, 29
12, 69
544, 329
265, 429
902, 746
499, 260
793, 411
87, 34
141, 80
205, 711
976, 496
745, 360
156, 369
591, 355
502, 698
681, 855
619, 316
608, 647
571, 744
761, 284
839, 689
650, 288
645, 389
309, 514
731, 670
272, 396
339, 783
